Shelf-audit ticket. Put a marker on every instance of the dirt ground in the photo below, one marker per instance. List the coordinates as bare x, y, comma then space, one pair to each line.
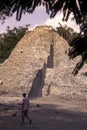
46, 114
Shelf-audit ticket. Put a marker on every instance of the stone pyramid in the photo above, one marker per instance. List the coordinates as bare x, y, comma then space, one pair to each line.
39, 66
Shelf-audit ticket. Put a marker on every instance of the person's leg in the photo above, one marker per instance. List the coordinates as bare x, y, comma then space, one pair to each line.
23, 113
26, 115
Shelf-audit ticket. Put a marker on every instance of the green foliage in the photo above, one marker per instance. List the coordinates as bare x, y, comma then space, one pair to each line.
77, 7
78, 47
67, 33
9, 40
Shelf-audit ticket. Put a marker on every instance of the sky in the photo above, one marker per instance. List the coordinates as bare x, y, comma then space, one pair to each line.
37, 18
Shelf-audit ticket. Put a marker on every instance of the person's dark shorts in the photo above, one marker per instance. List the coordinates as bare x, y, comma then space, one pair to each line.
25, 112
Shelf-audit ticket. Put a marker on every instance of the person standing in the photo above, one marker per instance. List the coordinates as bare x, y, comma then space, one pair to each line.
25, 108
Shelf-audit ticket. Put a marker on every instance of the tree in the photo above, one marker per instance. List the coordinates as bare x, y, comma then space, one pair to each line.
67, 33
76, 7
9, 40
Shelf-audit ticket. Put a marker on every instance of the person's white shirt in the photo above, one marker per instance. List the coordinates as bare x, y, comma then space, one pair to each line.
25, 103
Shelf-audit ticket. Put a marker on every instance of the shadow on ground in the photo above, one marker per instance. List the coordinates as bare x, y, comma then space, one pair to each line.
44, 117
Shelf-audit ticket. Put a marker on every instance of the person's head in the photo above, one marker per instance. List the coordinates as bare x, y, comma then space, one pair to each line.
24, 94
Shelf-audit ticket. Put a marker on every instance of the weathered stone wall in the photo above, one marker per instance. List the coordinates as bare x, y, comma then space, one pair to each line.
39, 64
19, 70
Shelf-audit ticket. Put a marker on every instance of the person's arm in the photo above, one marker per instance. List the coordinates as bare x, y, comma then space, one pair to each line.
22, 106
28, 104
20, 103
